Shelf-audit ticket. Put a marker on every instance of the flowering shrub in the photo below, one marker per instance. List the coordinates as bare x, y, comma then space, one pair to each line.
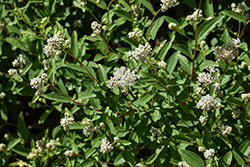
124, 83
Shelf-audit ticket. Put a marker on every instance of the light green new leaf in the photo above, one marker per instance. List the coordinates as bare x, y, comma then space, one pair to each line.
182, 48
119, 159
74, 44
208, 8
57, 97
227, 159
155, 27
44, 116
245, 147
102, 73
238, 158
4, 111
234, 15
13, 143
192, 158
207, 27
185, 64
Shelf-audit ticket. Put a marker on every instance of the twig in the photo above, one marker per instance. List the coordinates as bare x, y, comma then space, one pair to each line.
152, 23
195, 45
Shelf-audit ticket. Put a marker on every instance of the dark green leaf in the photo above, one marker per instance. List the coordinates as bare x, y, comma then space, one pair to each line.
182, 48
44, 116
57, 97
155, 27
185, 64
74, 44
13, 143
191, 158
234, 15
22, 130
4, 111
148, 6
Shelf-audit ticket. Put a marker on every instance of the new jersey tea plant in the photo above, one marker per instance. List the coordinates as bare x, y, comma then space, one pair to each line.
135, 83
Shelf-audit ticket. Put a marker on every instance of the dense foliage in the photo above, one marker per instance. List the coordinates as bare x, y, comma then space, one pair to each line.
124, 83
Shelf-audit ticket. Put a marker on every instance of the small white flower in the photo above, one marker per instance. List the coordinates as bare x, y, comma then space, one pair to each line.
155, 131
12, 72
66, 122
202, 44
226, 130
41, 145
202, 119
33, 154
2, 95
194, 15
167, 4
141, 52
236, 113
69, 153
50, 145
37, 83
88, 131
116, 139
209, 154
2, 147
54, 44
136, 10
201, 149
207, 102
172, 26
45, 76
106, 147
162, 64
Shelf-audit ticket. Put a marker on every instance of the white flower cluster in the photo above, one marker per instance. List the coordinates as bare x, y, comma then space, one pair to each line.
201, 149
194, 15
33, 154
137, 33
183, 164
155, 131
69, 153
54, 44
141, 52
78, 101
46, 65
41, 145
106, 147
207, 102
226, 130
202, 44
82, 2
207, 78
97, 28
2, 95
172, 25
245, 97
136, 10
167, 4
12, 72
236, 113
162, 64
37, 83
139, 165
50, 145
20, 60
208, 165
2, 147
77, 23
208, 154
123, 77
241, 8
227, 52
66, 121
88, 131
202, 119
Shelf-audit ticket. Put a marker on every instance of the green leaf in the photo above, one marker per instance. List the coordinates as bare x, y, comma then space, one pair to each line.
44, 116
130, 41
144, 99
185, 64
245, 147
155, 27
156, 115
22, 130
166, 47
182, 48
155, 155
21, 150
75, 67
89, 152
74, 44
101, 4
191, 158
57, 97
124, 142
208, 63
84, 95
208, 8
111, 126
119, 159
102, 73
13, 143
13, 42
172, 62
4, 111
148, 6
129, 158
18, 78
238, 158
234, 15
123, 14
207, 27
227, 159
